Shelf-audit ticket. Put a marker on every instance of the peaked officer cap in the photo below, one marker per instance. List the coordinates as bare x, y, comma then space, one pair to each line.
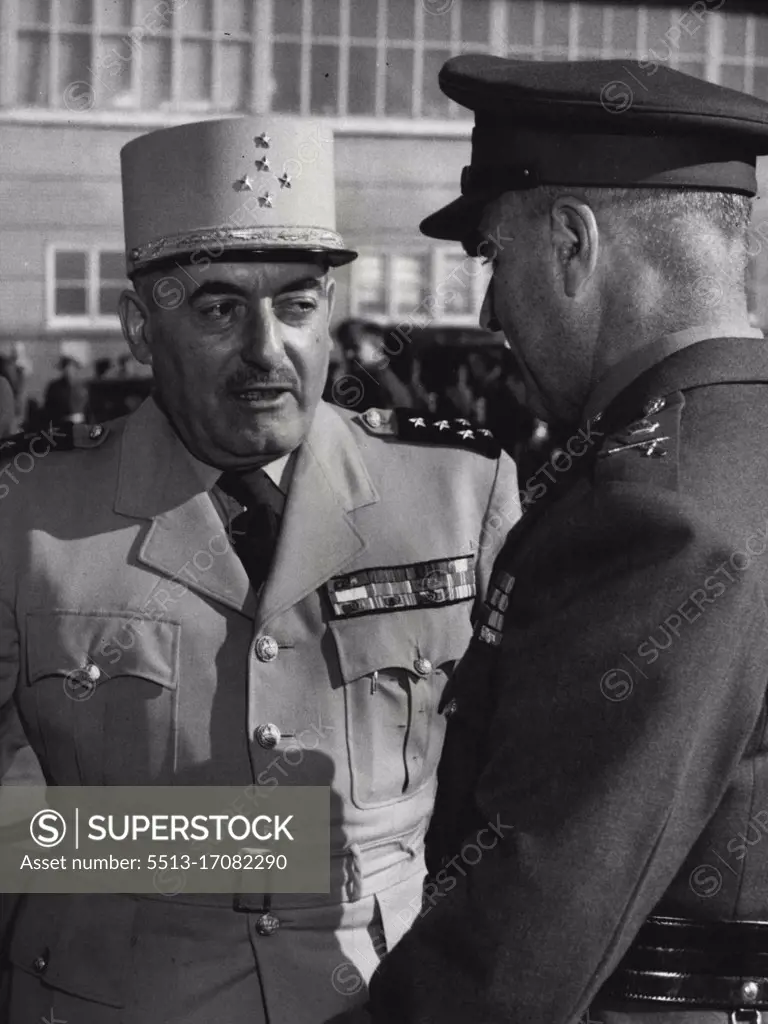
603, 123
263, 187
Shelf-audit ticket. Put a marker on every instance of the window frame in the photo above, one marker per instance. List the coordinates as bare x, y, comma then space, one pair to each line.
93, 282
261, 42
437, 276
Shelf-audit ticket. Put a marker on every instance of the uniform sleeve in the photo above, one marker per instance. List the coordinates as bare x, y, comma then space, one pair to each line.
18, 763
502, 513
604, 762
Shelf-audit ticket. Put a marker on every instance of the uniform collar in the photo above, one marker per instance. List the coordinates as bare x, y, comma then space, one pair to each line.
620, 376
279, 471
157, 472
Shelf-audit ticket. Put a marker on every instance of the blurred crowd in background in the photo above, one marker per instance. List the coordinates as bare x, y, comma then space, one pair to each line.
438, 373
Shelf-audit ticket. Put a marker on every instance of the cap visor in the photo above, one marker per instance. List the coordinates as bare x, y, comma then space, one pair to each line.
458, 221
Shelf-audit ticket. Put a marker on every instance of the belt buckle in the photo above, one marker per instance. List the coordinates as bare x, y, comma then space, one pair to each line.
745, 1017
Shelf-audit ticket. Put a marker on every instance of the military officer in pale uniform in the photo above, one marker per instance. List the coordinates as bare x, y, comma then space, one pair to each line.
312, 649
609, 717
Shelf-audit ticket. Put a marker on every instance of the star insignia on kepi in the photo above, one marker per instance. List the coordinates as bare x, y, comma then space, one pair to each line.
244, 184
266, 199
466, 434
262, 140
443, 425
417, 421
463, 423
262, 164
285, 180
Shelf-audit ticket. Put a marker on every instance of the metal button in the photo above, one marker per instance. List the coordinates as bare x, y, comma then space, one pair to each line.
451, 708
267, 924
750, 991
653, 406
268, 735
96, 432
266, 648
373, 418
80, 684
40, 963
423, 666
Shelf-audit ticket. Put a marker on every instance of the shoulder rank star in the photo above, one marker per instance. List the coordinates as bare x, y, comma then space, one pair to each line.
244, 184
262, 163
262, 140
285, 180
266, 199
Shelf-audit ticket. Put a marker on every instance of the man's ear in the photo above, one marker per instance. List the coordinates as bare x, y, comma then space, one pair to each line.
134, 319
575, 238
330, 294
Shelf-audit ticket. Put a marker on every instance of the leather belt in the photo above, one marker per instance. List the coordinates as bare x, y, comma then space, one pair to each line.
716, 965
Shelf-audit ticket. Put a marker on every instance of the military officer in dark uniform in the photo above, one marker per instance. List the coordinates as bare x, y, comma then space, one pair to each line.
599, 842
311, 650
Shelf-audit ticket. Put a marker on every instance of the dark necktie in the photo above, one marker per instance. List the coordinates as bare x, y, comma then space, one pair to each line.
253, 533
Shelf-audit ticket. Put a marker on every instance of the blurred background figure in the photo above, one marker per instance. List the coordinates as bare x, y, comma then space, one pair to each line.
380, 366
452, 375
66, 397
13, 372
103, 368
7, 414
114, 390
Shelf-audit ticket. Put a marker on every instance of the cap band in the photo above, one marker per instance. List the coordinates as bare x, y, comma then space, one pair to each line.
213, 242
526, 159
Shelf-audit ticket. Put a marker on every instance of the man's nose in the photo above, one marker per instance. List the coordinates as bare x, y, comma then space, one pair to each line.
262, 341
488, 319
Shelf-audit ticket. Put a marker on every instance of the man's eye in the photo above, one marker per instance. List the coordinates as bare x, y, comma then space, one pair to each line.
296, 307
219, 311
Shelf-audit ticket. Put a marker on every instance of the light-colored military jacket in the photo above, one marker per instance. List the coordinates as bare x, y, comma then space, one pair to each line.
116, 568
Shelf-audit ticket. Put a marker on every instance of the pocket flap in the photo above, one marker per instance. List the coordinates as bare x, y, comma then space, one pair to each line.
400, 639
63, 643
80, 944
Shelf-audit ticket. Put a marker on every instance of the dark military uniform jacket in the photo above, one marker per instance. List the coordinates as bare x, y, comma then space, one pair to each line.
606, 756
116, 574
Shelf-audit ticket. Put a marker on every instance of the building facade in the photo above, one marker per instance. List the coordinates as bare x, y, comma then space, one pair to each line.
80, 78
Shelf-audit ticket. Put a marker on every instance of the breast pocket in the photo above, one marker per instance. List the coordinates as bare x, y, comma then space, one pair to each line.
101, 693
394, 666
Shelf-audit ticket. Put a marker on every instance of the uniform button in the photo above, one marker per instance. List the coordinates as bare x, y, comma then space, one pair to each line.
373, 418
81, 683
451, 708
749, 991
40, 963
266, 648
268, 735
267, 924
423, 666
96, 432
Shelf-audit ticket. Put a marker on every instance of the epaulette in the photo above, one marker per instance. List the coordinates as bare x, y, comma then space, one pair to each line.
650, 440
60, 437
422, 428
